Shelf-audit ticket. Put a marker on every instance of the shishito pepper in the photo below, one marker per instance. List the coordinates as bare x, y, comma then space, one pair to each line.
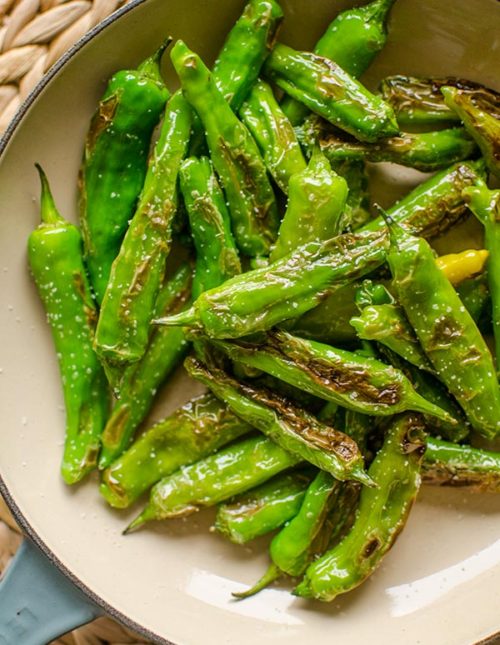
479, 111
326, 89
485, 204
140, 381
235, 156
316, 202
289, 426
115, 161
56, 259
127, 309
445, 329
274, 134
192, 432
381, 516
352, 40
355, 382
216, 254
287, 288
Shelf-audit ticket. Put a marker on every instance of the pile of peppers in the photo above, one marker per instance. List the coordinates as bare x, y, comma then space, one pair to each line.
344, 362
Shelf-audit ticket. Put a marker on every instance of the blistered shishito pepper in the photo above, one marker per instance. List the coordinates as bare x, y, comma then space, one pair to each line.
381, 516
192, 432
458, 267
435, 204
55, 254
137, 274
115, 161
263, 509
216, 254
355, 382
326, 89
289, 426
425, 151
479, 111
140, 381
235, 156
287, 288
485, 204
274, 134
357, 207
230, 471
447, 464
475, 296
352, 40
419, 101
245, 49
445, 329
316, 202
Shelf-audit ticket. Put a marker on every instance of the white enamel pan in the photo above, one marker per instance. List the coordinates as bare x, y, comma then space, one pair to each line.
441, 583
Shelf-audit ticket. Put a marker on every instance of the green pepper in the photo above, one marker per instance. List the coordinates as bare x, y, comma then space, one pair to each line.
140, 381
382, 514
447, 464
216, 254
115, 161
56, 260
287, 288
245, 49
326, 89
445, 329
192, 432
419, 101
352, 40
355, 382
230, 471
425, 151
290, 427
137, 273
274, 134
316, 202
263, 509
357, 207
475, 296
234, 154
485, 204
479, 111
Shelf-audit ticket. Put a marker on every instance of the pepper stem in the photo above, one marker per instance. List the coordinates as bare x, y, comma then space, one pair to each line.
184, 318
146, 515
272, 574
359, 474
150, 68
379, 9
49, 212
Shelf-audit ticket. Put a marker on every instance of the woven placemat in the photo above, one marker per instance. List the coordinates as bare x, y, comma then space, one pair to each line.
33, 35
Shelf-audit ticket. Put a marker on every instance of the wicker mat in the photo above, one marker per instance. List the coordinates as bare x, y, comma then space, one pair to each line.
33, 35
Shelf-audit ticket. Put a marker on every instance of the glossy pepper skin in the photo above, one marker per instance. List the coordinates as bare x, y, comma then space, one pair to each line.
245, 49
446, 331
55, 256
448, 464
263, 509
352, 40
419, 101
141, 380
434, 205
425, 151
357, 207
355, 382
458, 267
194, 431
115, 161
230, 471
475, 296
216, 254
287, 288
289, 426
485, 204
382, 514
479, 111
137, 273
316, 202
234, 155
274, 134
326, 89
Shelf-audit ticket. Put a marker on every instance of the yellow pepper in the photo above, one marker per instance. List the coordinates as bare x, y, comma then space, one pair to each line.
457, 267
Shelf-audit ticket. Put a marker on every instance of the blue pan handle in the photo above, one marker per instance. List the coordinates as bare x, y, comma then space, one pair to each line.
37, 602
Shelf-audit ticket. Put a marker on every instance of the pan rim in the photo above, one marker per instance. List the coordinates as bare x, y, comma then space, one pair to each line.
18, 515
